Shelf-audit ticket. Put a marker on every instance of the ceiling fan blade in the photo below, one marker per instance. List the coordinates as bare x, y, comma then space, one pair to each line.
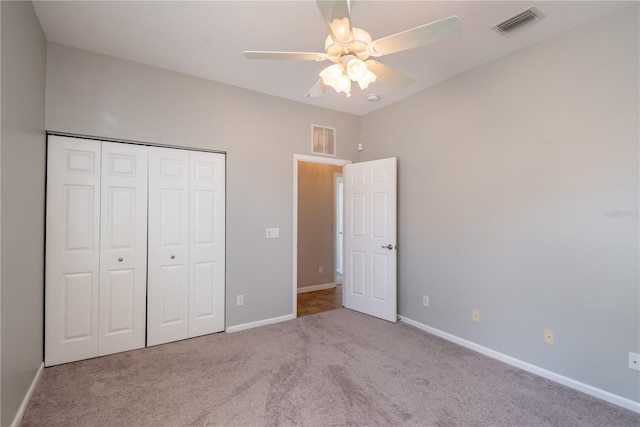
295, 56
336, 15
316, 90
387, 75
416, 37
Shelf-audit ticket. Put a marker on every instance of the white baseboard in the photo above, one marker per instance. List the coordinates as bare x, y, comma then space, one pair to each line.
27, 397
313, 288
259, 323
561, 379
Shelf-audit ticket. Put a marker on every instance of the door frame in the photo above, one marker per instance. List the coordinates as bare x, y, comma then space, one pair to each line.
310, 159
338, 213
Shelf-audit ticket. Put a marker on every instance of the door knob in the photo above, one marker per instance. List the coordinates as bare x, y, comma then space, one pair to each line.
120, 259
389, 246
173, 256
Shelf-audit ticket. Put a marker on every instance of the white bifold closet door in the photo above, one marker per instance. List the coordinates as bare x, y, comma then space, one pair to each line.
123, 247
186, 244
206, 243
96, 244
73, 250
168, 292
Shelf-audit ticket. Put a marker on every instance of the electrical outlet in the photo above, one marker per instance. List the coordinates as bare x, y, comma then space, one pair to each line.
273, 233
240, 300
634, 361
475, 314
548, 336
320, 269
425, 300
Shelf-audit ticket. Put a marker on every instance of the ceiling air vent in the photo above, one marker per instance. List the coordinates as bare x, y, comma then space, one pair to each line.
530, 15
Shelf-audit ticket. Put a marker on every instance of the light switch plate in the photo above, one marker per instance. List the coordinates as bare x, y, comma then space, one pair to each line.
634, 361
273, 233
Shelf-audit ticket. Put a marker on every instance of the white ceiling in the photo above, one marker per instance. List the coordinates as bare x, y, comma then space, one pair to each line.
206, 38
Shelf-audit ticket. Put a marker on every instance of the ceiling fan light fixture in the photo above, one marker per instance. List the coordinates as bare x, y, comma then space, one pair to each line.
340, 28
340, 76
334, 50
350, 48
361, 41
343, 84
330, 74
335, 77
356, 69
368, 78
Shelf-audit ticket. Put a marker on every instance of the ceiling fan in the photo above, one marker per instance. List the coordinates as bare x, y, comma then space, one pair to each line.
350, 48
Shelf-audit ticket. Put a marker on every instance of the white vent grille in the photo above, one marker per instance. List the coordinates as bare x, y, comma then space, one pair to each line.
530, 15
323, 140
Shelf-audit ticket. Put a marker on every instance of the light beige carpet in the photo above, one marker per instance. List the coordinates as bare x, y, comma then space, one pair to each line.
330, 369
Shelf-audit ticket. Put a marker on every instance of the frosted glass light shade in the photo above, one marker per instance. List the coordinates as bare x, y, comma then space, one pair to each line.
368, 78
334, 76
340, 29
339, 77
356, 69
331, 74
343, 84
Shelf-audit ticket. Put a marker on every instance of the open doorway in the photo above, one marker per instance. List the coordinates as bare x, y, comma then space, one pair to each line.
317, 245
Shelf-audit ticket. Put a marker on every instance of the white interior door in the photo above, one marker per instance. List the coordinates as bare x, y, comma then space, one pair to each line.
168, 289
123, 247
370, 238
207, 243
73, 250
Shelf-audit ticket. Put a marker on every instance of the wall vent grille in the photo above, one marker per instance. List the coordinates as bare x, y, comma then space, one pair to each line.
526, 16
323, 140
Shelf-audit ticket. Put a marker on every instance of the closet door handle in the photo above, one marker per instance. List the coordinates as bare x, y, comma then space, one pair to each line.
173, 256
120, 259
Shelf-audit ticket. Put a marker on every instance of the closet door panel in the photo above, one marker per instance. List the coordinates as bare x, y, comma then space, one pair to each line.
123, 252
204, 294
168, 290
72, 249
207, 243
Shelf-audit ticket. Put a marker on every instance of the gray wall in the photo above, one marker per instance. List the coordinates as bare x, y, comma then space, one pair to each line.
507, 178
316, 223
93, 94
23, 177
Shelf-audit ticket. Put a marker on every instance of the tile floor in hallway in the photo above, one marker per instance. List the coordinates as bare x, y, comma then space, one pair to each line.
319, 301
